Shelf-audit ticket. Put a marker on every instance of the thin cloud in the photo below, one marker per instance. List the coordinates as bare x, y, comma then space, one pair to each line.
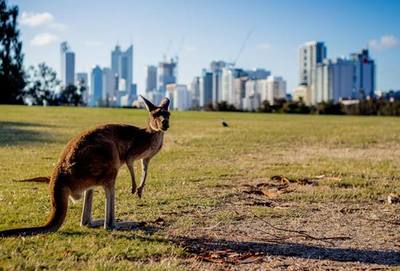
42, 19
58, 26
264, 46
384, 42
44, 39
36, 19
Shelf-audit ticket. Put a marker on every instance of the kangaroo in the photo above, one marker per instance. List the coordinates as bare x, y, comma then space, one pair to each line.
92, 159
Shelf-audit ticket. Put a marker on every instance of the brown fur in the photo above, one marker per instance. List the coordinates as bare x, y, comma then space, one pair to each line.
92, 159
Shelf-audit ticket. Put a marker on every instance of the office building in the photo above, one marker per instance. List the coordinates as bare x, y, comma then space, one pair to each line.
216, 69
122, 65
206, 88
151, 78
96, 87
167, 73
182, 98
67, 65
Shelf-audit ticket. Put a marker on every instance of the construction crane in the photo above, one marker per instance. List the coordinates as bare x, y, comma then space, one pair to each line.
249, 33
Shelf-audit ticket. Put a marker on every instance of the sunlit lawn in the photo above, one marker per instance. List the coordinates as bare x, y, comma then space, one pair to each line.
361, 154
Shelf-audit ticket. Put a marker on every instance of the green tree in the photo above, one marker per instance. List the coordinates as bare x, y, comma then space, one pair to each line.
41, 85
11, 57
72, 95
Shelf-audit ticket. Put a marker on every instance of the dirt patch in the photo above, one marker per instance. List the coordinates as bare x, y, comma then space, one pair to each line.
276, 186
251, 230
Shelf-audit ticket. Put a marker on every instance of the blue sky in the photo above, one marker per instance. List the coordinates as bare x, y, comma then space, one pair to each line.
200, 31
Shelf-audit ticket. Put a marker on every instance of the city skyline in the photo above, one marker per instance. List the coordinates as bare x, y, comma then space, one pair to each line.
198, 41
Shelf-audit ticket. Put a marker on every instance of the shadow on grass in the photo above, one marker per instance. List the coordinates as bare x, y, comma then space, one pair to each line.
20, 133
201, 246
123, 228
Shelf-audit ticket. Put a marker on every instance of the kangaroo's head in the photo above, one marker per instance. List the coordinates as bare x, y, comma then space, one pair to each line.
158, 115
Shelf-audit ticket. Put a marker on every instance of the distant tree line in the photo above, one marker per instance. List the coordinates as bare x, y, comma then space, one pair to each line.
37, 86
382, 106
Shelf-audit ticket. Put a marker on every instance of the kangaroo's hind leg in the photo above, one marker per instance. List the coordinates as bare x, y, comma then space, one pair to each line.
109, 188
86, 219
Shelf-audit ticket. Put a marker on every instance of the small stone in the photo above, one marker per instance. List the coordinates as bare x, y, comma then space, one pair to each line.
393, 199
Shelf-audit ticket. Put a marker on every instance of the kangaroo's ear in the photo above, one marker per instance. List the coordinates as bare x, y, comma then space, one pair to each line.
164, 103
149, 106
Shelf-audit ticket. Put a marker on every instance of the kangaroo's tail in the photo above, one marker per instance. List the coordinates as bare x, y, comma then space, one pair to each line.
59, 200
36, 180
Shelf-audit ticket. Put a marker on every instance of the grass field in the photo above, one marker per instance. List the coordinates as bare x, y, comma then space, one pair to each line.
270, 192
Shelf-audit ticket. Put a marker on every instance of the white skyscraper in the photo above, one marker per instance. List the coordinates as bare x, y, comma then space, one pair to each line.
311, 54
233, 91
67, 65
252, 99
182, 98
216, 69
274, 88
345, 78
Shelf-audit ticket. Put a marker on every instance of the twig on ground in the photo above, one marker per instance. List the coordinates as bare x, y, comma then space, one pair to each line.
303, 233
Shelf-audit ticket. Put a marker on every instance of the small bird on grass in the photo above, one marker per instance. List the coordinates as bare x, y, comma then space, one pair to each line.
224, 123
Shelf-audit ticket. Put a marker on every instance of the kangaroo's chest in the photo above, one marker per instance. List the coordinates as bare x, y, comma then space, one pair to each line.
149, 150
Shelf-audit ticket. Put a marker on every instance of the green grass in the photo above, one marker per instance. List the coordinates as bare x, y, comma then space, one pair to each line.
198, 155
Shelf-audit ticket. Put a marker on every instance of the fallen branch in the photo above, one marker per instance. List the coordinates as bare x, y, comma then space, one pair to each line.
304, 234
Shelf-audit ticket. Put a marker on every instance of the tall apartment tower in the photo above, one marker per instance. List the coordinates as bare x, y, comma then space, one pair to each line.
216, 69
151, 78
345, 78
206, 83
311, 54
365, 70
67, 64
122, 65
96, 86
166, 74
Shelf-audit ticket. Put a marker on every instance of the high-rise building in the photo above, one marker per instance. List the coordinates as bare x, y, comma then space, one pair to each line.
216, 69
82, 83
166, 74
239, 90
67, 65
182, 98
151, 78
122, 65
365, 72
311, 54
108, 92
206, 89
274, 88
195, 91
230, 94
252, 98
96, 87
344, 79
